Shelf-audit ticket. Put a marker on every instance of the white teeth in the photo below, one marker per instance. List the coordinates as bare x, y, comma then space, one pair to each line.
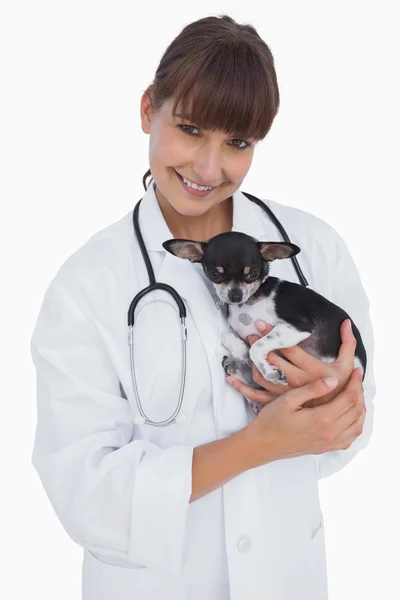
200, 188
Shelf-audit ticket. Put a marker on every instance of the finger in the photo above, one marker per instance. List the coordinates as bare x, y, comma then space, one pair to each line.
349, 342
252, 338
295, 354
290, 371
302, 359
347, 399
341, 428
350, 434
264, 327
314, 389
275, 388
260, 396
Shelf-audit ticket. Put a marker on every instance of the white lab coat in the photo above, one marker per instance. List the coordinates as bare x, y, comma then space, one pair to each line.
121, 491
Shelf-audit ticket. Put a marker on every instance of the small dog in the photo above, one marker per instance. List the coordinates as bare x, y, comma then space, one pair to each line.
238, 266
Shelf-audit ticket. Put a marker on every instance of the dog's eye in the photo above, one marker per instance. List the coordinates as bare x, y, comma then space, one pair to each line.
214, 274
253, 274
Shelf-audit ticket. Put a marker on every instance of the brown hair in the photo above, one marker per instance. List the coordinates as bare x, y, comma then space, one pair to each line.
217, 58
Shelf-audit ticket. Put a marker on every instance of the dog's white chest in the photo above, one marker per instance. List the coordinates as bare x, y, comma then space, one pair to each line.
242, 318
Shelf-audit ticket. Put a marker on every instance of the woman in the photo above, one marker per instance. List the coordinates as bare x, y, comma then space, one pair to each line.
206, 507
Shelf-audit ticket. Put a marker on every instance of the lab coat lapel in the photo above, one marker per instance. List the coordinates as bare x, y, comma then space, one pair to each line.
201, 324
251, 219
182, 275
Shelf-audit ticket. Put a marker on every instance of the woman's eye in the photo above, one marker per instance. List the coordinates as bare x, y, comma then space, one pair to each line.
186, 129
246, 144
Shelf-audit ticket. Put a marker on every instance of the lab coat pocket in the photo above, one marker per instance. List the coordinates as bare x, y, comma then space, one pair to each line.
317, 530
317, 563
102, 581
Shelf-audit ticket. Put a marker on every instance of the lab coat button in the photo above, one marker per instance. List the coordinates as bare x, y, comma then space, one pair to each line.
244, 544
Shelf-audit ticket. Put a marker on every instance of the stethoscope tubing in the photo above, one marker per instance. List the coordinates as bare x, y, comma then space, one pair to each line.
153, 285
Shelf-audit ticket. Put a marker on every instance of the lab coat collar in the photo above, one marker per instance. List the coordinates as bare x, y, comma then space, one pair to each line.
246, 218
185, 278
182, 274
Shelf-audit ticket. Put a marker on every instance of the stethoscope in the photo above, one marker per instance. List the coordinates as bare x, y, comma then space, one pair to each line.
176, 417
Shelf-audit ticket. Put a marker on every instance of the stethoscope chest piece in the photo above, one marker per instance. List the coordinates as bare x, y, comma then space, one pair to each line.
177, 417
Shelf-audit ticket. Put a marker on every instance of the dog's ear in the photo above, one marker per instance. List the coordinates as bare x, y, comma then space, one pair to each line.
274, 250
193, 251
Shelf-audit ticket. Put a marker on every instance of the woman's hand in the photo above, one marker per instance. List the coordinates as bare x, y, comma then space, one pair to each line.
285, 429
302, 369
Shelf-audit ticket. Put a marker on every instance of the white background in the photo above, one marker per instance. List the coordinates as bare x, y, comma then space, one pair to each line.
72, 159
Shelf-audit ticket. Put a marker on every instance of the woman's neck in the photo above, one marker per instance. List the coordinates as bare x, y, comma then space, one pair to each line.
218, 219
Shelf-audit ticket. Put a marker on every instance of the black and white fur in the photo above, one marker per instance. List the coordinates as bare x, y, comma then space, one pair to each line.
238, 266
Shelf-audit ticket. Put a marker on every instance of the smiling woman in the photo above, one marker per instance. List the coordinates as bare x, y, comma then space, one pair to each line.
203, 144
164, 507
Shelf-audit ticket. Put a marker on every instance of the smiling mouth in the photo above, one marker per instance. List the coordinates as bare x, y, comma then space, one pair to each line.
199, 184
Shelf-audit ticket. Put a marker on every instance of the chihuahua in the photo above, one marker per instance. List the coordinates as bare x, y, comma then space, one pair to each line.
238, 266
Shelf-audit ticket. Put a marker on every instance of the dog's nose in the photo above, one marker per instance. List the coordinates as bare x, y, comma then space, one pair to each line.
235, 295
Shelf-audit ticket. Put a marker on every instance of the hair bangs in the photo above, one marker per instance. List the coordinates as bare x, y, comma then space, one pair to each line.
229, 92
220, 75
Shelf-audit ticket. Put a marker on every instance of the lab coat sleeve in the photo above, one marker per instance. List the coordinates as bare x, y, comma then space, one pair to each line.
347, 292
122, 499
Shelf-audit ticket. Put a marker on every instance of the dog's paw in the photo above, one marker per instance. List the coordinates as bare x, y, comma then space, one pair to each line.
270, 373
229, 365
232, 367
254, 407
235, 346
276, 376
248, 362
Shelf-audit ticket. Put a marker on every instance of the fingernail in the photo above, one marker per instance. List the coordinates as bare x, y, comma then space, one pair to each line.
330, 381
229, 379
350, 328
260, 325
